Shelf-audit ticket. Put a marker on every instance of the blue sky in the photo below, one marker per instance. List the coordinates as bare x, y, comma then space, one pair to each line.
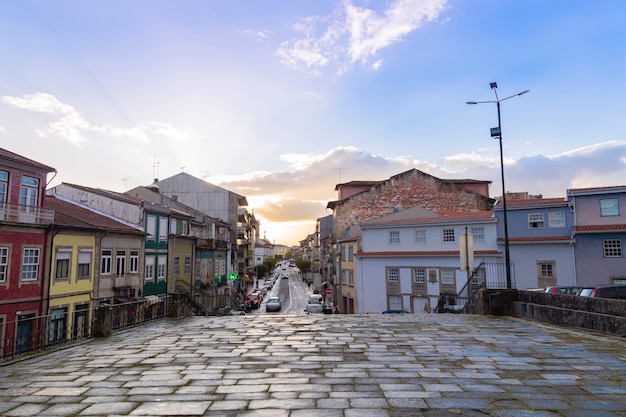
281, 100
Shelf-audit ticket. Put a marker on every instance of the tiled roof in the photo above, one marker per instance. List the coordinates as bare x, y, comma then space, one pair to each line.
538, 239
111, 194
535, 201
600, 228
610, 187
423, 253
73, 216
4, 154
445, 217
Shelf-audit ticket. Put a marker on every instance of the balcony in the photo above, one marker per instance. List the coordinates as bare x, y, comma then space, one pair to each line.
17, 213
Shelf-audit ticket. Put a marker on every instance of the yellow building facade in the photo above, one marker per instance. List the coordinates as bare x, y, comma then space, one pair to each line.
71, 285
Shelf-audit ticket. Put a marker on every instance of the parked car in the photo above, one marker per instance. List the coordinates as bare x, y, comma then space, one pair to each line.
572, 290
316, 299
395, 312
253, 300
273, 304
604, 291
314, 309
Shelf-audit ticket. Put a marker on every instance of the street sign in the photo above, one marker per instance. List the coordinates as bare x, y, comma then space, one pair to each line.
329, 291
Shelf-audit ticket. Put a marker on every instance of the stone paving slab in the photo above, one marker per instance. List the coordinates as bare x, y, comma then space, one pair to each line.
327, 366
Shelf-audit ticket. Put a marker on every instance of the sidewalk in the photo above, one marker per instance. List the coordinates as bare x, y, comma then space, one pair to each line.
327, 365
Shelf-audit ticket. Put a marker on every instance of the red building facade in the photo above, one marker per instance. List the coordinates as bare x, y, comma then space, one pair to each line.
24, 224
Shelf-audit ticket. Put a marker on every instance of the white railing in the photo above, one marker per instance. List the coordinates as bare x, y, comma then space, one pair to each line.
17, 213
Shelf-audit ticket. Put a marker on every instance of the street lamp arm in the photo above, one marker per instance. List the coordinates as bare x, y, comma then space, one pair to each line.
515, 95
497, 101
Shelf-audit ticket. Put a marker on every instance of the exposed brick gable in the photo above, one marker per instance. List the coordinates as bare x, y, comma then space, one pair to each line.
408, 189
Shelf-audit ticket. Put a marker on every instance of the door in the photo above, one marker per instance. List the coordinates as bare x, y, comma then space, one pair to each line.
24, 333
421, 305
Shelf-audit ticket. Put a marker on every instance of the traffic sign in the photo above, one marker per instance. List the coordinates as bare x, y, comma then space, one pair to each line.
329, 291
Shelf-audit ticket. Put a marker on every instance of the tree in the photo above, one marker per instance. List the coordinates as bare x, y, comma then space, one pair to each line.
303, 265
261, 270
269, 263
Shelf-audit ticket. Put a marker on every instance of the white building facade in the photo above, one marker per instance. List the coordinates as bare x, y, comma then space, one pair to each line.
410, 258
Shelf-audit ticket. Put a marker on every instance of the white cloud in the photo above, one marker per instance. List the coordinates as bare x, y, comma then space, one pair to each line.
39, 102
167, 130
354, 34
69, 124
260, 35
301, 194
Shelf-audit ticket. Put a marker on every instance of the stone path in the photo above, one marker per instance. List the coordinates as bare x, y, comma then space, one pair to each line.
326, 366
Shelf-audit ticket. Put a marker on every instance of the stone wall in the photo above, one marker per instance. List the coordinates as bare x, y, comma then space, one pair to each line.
598, 314
409, 189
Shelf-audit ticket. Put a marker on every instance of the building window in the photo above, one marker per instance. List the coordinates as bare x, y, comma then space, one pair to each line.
478, 233
419, 276
343, 253
29, 191
612, 248
545, 269
4, 265
478, 276
30, 264
393, 275
62, 270
447, 276
149, 275
343, 277
120, 263
4, 184
609, 207
176, 265
84, 263
420, 236
351, 278
151, 227
350, 253
184, 228
133, 266
163, 229
161, 268
106, 261
395, 302
448, 235
535, 220
187, 264
394, 237
556, 219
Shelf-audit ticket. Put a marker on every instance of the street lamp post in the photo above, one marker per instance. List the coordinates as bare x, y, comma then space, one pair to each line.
496, 132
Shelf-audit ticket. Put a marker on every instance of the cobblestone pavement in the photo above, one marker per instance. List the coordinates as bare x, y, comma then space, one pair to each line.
326, 366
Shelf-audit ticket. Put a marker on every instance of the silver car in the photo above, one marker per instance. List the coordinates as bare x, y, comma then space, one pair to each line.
273, 304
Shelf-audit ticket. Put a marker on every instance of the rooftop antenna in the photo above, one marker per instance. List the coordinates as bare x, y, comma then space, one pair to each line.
126, 183
340, 169
183, 168
155, 167
206, 174
339, 188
